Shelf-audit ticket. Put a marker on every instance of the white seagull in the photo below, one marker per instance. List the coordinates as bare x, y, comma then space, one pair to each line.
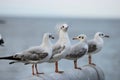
78, 50
1, 41
61, 47
34, 55
95, 45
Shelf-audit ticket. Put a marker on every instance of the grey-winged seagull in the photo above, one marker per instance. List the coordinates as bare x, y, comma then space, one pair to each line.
95, 45
78, 50
34, 55
61, 47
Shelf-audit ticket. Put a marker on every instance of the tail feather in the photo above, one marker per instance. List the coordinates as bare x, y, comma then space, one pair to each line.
10, 58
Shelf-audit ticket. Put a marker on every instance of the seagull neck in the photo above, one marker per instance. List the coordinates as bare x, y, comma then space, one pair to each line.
98, 39
63, 36
83, 41
46, 42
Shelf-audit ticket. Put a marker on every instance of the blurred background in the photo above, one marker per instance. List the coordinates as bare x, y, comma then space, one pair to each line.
23, 23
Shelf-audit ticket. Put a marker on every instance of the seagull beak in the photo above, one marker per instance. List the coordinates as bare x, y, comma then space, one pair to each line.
66, 28
75, 38
107, 36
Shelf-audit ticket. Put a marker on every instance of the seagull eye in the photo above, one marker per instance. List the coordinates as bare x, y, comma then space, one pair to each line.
79, 36
50, 36
62, 26
99, 34
102, 34
82, 37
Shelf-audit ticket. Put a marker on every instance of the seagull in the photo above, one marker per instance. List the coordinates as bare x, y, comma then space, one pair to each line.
95, 45
62, 47
1, 41
34, 55
78, 50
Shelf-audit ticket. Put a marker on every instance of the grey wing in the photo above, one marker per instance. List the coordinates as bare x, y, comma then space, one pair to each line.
37, 55
76, 52
57, 49
34, 54
92, 46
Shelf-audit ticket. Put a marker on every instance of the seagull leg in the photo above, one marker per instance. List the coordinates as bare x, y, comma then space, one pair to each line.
56, 68
90, 60
37, 70
33, 70
75, 65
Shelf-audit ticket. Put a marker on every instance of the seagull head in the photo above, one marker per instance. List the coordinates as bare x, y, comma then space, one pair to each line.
46, 39
64, 27
1, 41
48, 36
81, 37
101, 34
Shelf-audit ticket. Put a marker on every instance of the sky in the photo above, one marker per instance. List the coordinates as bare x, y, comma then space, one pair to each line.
61, 8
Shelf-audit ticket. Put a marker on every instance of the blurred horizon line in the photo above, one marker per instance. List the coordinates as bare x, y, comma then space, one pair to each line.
59, 17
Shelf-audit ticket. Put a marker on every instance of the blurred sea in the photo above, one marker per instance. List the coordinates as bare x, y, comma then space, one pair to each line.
22, 33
